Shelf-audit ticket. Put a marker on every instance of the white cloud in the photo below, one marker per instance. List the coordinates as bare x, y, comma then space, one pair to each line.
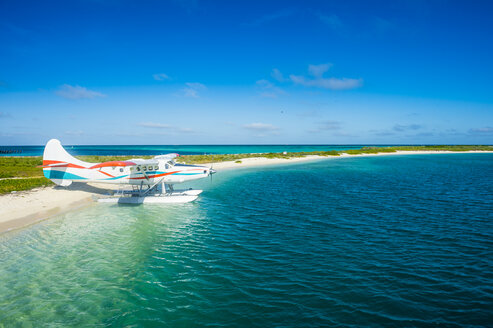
327, 126
77, 92
398, 129
410, 127
277, 75
192, 89
261, 127
263, 83
319, 70
161, 77
154, 125
74, 133
269, 90
487, 130
317, 80
330, 125
309, 113
165, 127
328, 83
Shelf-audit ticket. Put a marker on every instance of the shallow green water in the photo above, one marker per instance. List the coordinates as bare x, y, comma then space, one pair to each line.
386, 241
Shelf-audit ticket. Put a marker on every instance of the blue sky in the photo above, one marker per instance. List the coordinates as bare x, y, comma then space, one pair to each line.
246, 72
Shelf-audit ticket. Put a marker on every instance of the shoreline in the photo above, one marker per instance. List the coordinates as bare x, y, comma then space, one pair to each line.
262, 161
24, 208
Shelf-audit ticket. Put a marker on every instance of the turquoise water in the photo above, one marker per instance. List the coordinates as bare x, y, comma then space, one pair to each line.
181, 149
397, 241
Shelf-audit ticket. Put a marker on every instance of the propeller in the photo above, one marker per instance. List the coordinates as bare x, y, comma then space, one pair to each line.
211, 170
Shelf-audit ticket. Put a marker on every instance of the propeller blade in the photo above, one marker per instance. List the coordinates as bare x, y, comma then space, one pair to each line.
211, 170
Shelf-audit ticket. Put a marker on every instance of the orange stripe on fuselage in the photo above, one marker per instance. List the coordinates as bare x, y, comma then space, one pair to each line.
113, 163
111, 176
47, 162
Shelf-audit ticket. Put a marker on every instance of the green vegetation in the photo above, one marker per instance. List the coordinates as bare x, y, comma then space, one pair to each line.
201, 159
369, 150
445, 148
32, 175
11, 167
238, 162
9, 185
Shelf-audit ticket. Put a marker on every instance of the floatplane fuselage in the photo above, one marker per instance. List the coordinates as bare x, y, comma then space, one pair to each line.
158, 174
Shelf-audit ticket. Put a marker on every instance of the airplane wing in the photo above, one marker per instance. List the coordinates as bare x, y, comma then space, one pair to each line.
167, 156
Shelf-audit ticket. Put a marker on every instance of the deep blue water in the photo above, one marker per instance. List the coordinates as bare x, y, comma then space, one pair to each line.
396, 241
163, 149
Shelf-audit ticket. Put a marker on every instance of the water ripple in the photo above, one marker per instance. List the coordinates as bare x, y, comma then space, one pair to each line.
396, 241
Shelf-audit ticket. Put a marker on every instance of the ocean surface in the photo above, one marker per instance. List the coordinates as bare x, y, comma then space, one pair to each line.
181, 149
390, 241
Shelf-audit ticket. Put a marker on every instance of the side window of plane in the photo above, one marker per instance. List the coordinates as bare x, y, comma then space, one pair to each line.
156, 168
166, 166
121, 169
138, 168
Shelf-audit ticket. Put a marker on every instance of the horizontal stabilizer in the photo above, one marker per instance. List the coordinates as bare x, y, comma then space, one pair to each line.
61, 164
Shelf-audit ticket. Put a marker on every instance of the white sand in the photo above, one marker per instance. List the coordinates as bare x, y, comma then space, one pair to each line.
262, 161
27, 207
23, 208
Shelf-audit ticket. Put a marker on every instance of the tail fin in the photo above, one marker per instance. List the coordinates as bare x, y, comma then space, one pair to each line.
56, 161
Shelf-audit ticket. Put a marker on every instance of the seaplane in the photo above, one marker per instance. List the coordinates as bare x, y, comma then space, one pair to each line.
150, 180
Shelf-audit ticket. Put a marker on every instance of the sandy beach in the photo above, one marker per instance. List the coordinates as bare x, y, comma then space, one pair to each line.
24, 208
261, 161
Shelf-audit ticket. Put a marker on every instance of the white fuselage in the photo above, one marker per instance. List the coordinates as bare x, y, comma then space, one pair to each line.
145, 172
63, 169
